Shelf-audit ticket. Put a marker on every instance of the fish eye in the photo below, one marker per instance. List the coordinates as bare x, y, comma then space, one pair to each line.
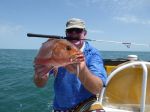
68, 47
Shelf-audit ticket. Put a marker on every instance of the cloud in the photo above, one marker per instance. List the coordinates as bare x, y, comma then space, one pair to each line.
93, 1
112, 7
71, 3
146, 22
9, 29
132, 19
95, 31
127, 19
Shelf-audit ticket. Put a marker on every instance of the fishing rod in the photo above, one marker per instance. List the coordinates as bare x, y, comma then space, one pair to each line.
54, 37
127, 44
44, 36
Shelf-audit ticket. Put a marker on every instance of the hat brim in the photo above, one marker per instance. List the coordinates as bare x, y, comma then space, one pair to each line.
75, 26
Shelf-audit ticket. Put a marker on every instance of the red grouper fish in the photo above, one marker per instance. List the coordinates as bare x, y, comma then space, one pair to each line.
55, 53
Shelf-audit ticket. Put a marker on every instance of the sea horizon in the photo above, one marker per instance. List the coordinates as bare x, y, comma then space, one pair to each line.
98, 49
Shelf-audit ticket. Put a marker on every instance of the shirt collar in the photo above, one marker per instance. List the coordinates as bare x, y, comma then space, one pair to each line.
82, 48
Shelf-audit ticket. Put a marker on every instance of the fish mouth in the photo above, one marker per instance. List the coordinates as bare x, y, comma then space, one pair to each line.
72, 57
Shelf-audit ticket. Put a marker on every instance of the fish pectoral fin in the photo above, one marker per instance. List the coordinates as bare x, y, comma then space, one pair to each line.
51, 68
55, 71
78, 69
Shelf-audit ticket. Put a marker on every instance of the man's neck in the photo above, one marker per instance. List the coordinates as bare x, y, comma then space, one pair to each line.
83, 46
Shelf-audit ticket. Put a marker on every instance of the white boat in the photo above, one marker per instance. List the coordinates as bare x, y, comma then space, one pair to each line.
127, 88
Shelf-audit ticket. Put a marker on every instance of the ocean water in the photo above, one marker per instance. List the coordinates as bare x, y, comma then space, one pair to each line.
17, 90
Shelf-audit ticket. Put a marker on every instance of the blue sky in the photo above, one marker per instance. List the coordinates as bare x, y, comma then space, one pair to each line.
110, 20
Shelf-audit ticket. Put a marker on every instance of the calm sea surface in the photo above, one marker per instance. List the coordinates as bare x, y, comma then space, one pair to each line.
17, 90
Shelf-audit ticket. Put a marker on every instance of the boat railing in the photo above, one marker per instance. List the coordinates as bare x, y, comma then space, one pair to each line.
144, 81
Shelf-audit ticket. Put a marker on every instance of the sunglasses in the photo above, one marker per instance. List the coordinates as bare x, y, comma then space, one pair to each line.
77, 30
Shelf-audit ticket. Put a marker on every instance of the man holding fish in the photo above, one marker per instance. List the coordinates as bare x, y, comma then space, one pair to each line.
72, 86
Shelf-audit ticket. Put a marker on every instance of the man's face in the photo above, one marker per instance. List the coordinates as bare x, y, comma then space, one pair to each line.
76, 33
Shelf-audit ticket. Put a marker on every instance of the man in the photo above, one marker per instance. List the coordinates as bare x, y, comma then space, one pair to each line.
70, 89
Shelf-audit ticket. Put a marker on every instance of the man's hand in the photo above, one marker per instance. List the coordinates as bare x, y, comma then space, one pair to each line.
41, 75
41, 70
79, 60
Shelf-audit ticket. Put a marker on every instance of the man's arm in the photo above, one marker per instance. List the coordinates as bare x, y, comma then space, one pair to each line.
90, 81
91, 77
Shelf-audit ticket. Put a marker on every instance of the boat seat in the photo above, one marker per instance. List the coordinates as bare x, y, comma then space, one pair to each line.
124, 89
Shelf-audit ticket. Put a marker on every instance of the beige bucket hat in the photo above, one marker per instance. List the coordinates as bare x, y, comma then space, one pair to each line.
75, 23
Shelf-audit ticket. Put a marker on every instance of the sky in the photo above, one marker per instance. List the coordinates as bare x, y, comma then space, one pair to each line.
109, 20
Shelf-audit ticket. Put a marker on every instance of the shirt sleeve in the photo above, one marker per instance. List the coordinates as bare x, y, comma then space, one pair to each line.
95, 65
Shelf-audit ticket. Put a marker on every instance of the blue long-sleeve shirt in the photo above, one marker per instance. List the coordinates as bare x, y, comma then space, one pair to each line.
67, 87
